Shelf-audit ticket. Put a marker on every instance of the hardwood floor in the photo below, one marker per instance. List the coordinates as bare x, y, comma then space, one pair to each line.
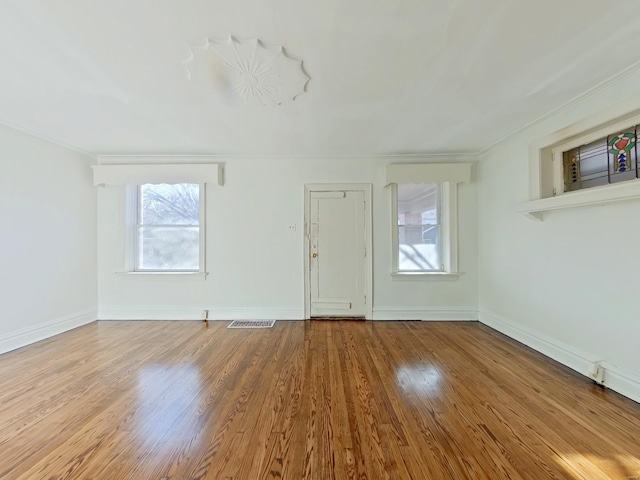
305, 400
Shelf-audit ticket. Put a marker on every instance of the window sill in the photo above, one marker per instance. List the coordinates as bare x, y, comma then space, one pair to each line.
174, 275
592, 196
425, 274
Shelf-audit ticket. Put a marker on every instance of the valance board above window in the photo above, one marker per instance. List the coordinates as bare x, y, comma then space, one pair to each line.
157, 173
428, 173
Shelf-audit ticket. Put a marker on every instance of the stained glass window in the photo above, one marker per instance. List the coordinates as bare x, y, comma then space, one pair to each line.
607, 160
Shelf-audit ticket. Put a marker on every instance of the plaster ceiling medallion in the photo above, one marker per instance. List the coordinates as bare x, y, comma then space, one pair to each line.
249, 69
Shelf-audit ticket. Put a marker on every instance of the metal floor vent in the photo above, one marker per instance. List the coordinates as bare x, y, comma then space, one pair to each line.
252, 324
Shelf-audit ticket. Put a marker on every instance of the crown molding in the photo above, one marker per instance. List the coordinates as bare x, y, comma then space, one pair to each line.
586, 94
427, 157
46, 138
431, 157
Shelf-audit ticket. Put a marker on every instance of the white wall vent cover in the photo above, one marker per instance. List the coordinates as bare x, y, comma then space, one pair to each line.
248, 69
252, 324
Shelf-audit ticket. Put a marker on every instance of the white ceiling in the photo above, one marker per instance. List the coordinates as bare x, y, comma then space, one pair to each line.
387, 76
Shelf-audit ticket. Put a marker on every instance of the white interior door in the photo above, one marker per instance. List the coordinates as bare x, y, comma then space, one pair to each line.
337, 251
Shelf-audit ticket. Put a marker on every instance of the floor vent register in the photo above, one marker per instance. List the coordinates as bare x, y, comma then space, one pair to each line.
252, 324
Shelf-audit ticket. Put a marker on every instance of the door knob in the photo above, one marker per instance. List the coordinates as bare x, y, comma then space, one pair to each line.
314, 255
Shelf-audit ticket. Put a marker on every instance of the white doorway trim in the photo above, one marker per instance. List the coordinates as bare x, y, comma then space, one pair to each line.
366, 188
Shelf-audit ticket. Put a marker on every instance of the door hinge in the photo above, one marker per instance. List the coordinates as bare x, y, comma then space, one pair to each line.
365, 252
365, 299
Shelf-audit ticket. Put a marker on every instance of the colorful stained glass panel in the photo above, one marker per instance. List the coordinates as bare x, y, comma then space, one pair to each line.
610, 159
621, 147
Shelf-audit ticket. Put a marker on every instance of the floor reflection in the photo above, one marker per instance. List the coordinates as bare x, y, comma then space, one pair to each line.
421, 379
623, 463
168, 398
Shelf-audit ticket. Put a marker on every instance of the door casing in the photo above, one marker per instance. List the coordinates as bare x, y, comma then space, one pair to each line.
366, 188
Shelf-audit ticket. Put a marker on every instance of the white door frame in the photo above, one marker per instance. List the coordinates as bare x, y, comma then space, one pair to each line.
366, 188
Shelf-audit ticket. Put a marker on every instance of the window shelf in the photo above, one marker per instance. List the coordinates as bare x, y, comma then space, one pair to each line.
417, 275
603, 195
166, 275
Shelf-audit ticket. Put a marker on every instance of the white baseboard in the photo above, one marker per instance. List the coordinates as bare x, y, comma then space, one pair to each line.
426, 313
41, 331
254, 313
195, 314
624, 382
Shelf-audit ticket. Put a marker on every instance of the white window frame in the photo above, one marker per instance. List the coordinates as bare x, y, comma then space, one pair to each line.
546, 167
558, 151
448, 232
131, 235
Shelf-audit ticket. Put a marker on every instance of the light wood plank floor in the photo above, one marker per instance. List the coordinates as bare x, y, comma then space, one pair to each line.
305, 400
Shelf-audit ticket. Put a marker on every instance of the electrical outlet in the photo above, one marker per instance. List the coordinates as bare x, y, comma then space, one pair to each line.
293, 227
205, 314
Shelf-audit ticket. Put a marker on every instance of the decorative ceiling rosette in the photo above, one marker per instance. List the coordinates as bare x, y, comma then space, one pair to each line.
250, 69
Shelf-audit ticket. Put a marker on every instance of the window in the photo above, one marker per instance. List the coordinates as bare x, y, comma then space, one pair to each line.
419, 227
591, 162
424, 228
168, 229
424, 203
609, 159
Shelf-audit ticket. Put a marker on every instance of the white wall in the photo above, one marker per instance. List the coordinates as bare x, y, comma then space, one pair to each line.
569, 285
48, 259
256, 263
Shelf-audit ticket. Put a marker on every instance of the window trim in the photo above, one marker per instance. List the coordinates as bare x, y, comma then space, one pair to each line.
448, 233
132, 192
545, 170
558, 152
